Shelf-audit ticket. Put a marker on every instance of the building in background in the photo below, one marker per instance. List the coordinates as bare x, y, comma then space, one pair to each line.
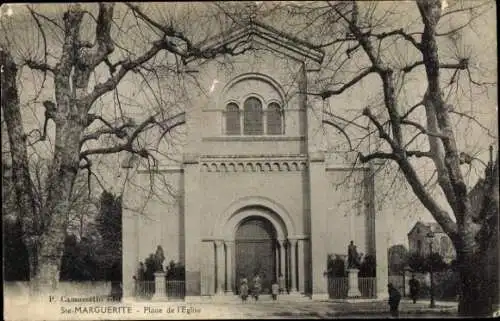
418, 241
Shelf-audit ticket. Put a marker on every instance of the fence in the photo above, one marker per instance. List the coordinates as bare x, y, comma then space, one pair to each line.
368, 287
338, 287
175, 289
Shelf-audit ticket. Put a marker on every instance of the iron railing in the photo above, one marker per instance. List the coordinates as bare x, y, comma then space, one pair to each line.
368, 287
338, 287
175, 289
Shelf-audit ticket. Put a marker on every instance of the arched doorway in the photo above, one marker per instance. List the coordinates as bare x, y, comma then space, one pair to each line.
255, 242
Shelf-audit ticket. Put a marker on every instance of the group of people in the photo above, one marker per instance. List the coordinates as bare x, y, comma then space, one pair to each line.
278, 287
395, 296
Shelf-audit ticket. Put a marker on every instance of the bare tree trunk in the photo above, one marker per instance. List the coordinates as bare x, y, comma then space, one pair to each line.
28, 216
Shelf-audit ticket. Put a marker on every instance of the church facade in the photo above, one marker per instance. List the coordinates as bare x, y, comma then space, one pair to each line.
255, 192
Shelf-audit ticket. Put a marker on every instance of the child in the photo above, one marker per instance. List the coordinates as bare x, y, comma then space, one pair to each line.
256, 287
275, 288
281, 280
244, 290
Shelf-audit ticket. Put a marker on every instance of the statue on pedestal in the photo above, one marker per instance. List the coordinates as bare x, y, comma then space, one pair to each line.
353, 261
159, 257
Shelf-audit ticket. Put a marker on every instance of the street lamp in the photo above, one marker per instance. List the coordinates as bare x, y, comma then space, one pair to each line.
430, 235
406, 270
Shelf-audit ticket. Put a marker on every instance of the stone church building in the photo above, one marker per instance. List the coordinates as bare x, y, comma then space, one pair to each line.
255, 191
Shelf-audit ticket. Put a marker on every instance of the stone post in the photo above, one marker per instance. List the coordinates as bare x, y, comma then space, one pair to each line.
283, 262
353, 291
300, 268
229, 266
293, 265
219, 253
160, 287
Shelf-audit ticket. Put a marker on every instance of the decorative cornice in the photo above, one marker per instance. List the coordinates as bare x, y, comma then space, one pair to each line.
267, 157
229, 166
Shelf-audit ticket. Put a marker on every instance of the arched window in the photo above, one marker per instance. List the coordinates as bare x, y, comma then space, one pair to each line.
233, 119
252, 110
274, 119
419, 247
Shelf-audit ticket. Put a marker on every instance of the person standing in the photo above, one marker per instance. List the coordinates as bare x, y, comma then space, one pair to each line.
281, 282
256, 287
414, 288
244, 290
275, 289
394, 298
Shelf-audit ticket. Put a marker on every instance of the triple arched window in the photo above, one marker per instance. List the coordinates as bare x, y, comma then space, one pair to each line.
254, 118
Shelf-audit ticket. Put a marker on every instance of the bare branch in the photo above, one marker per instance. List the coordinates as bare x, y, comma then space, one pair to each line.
439, 214
473, 17
412, 108
41, 66
381, 131
104, 44
328, 93
461, 65
398, 32
376, 155
117, 131
328, 122
418, 153
52, 21
127, 146
474, 120
421, 128
167, 30
348, 122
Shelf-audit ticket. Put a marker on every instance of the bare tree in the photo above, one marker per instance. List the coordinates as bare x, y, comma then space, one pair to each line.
420, 63
81, 54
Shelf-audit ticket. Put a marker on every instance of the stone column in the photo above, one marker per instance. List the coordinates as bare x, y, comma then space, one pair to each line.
160, 287
230, 266
293, 266
353, 291
219, 254
283, 261
277, 260
300, 267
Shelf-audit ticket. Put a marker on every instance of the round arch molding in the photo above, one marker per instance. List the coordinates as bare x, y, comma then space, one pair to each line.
256, 76
229, 220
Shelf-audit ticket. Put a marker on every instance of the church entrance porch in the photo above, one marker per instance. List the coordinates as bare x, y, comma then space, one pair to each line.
254, 239
255, 243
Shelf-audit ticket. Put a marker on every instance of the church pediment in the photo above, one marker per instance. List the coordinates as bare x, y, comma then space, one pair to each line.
259, 35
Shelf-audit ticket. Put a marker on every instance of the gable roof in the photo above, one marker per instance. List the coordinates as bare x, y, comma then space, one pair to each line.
427, 227
255, 32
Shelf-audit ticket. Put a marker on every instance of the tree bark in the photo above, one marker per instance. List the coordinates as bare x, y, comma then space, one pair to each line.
28, 215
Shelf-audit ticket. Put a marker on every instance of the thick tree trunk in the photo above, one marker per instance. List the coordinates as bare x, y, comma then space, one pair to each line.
62, 177
30, 220
474, 294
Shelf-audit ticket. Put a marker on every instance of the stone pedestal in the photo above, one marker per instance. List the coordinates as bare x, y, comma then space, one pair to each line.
353, 291
160, 287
